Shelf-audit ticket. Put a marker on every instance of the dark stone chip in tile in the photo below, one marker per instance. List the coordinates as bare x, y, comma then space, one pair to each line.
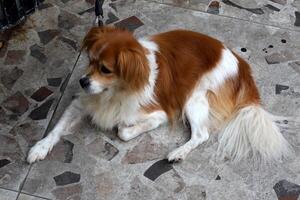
66, 192
279, 88
48, 35
69, 42
113, 6
8, 79
111, 151
147, 149
68, 151
243, 49
63, 152
42, 111
130, 23
7, 118
272, 7
41, 94
297, 21
270, 46
283, 40
45, 6
67, 20
157, 169
54, 82
257, 11
286, 190
111, 18
37, 52
218, 177
14, 57
103, 149
66, 178
213, 7
279, 57
4, 162
16, 103
282, 2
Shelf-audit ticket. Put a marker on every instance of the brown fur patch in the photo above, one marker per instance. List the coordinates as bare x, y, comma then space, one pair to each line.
184, 56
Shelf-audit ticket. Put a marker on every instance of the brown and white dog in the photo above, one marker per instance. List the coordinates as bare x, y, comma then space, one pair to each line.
139, 84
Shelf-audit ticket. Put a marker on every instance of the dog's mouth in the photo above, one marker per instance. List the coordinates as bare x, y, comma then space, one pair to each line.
89, 90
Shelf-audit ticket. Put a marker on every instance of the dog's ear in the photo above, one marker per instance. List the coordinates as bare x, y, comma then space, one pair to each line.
96, 34
133, 69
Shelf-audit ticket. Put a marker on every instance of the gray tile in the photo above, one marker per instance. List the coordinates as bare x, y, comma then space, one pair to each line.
8, 194
279, 13
29, 197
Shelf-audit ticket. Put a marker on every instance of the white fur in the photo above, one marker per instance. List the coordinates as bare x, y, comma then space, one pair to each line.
146, 123
196, 111
197, 108
227, 67
147, 95
252, 133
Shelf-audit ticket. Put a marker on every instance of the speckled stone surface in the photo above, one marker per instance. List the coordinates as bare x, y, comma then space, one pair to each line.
37, 82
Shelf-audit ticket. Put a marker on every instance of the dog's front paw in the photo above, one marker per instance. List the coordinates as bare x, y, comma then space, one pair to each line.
178, 154
125, 134
39, 151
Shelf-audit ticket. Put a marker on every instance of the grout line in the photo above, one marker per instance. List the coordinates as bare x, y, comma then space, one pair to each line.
220, 15
33, 195
23, 182
63, 92
12, 190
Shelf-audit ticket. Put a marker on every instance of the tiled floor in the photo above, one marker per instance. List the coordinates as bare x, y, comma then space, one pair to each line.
39, 70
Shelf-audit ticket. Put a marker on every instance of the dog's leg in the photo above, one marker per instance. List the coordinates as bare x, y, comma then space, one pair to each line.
152, 121
196, 111
71, 116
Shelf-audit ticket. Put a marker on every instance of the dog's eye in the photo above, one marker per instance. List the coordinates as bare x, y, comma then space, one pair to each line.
104, 70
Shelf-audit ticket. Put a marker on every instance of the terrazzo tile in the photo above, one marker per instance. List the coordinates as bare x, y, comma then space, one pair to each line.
8, 195
8, 78
29, 197
283, 14
32, 57
14, 57
37, 52
54, 82
16, 103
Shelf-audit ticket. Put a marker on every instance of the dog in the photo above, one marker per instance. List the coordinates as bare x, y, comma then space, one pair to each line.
137, 85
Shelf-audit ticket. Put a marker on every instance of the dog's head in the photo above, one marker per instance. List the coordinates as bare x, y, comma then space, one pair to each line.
116, 61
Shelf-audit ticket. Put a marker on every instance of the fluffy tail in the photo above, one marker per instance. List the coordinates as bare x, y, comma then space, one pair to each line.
253, 133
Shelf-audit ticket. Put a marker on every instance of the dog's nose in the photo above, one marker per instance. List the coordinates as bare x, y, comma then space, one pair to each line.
84, 82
